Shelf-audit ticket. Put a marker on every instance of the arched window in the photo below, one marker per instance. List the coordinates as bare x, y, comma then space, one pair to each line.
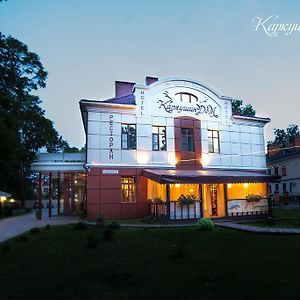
186, 97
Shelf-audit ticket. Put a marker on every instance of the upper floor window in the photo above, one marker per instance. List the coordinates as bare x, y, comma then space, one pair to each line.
186, 98
276, 170
284, 187
128, 136
128, 189
269, 171
187, 139
213, 141
283, 169
159, 138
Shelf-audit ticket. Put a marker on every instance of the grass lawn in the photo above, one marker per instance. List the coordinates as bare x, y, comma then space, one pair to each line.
277, 224
147, 264
286, 213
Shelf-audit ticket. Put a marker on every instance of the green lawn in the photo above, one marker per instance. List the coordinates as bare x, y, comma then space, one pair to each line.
286, 213
140, 264
277, 224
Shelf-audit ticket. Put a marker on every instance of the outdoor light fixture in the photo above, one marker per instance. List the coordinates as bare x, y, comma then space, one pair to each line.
2, 198
229, 185
12, 200
191, 190
246, 185
177, 184
142, 157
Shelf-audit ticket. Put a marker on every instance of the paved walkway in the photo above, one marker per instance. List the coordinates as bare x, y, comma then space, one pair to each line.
13, 226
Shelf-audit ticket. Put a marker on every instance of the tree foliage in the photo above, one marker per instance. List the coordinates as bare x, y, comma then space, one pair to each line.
239, 109
23, 125
285, 137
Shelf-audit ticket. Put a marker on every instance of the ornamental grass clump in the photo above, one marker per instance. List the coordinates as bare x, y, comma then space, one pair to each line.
205, 224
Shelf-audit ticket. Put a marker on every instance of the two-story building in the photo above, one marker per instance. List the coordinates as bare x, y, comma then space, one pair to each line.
170, 137
284, 162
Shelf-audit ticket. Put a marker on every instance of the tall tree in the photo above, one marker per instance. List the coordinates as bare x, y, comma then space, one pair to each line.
23, 125
285, 137
239, 109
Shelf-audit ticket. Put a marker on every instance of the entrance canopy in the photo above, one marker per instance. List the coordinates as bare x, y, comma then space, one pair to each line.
207, 176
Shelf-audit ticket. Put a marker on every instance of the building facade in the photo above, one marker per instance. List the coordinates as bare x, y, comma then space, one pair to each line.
284, 162
168, 139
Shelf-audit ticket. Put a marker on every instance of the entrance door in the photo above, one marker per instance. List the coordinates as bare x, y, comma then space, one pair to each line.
213, 195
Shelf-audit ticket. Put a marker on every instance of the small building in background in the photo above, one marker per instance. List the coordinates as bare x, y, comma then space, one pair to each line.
285, 162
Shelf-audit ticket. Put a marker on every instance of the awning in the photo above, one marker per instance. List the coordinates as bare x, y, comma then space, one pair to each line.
207, 176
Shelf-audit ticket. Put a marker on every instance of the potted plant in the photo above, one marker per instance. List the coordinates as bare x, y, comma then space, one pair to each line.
253, 197
187, 199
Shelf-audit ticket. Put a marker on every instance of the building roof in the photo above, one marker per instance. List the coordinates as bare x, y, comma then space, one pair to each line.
126, 100
207, 176
283, 154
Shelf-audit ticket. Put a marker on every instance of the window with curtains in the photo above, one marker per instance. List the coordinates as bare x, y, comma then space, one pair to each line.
159, 138
187, 140
128, 136
213, 141
128, 189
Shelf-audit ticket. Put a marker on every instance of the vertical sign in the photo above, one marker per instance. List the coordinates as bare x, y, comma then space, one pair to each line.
111, 137
142, 103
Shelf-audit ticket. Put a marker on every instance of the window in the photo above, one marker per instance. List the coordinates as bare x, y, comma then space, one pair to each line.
159, 139
269, 171
284, 187
213, 141
291, 187
128, 189
128, 136
283, 169
270, 189
187, 140
186, 98
276, 188
276, 171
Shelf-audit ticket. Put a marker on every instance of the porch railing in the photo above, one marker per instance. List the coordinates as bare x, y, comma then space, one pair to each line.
242, 207
177, 211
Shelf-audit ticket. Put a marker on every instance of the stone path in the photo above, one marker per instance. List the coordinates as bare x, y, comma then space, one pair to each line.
13, 226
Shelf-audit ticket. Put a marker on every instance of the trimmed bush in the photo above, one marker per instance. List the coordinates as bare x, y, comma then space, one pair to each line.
114, 225
79, 226
107, 234
48, 226
205, 224
100, 221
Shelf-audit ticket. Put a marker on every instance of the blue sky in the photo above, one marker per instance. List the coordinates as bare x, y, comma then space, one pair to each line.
87, 45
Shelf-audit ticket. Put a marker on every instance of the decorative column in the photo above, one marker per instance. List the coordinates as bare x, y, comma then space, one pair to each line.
168, 200
50, 195
40, 191
58, 193
201, 200
226, 199
66, 193
72, 194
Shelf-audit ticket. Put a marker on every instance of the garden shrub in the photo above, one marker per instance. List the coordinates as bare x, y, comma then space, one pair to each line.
114, 225
100, 221
80, 226
205, 224
107, 234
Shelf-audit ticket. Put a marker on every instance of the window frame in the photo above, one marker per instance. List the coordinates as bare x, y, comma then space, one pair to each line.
131, 188
187, 137
212, 139
283, 169
158, 135
128, 135
178, 96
